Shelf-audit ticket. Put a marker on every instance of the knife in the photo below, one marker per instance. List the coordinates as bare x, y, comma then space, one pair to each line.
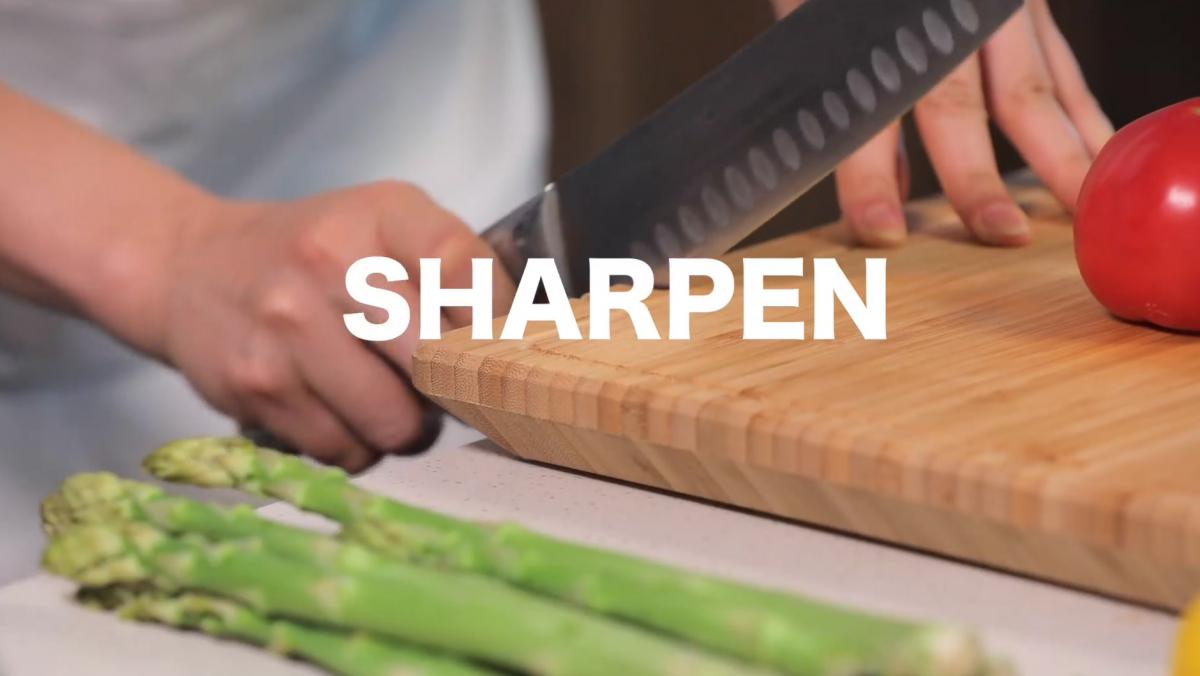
735, 148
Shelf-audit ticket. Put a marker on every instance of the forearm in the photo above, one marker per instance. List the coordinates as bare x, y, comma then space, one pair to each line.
88, 225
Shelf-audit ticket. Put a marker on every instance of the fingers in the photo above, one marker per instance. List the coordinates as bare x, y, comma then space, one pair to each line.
397, 352
304, 422
270, 392
1073, 92
258, 327
1026, 106
356, 384
312, 383
953, 121
871, 189
414, 227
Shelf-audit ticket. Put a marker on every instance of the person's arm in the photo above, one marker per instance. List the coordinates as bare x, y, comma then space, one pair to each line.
86, 224
1028, 80
245, 299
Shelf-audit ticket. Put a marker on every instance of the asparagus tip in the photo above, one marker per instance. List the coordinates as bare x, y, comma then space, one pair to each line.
94, 497
98, 555
214, 462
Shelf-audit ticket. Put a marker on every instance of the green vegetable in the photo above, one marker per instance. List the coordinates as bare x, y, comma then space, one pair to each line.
455, 612
795, 635
339, 651
104, 498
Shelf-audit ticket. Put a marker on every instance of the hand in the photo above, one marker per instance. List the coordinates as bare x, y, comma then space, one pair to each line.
252, 315
1028, 80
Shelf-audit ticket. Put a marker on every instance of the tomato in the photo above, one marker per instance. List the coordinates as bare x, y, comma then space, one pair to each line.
1137, 225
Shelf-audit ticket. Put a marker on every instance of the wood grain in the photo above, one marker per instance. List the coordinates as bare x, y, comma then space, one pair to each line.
1008, 419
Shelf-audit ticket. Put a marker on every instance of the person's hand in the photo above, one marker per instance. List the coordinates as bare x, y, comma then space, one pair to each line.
252, 315
1028, 80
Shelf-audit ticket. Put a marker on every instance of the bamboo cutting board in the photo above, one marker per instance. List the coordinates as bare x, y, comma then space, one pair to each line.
1008, 420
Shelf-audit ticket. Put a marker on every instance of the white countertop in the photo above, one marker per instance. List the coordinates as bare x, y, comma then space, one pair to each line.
1048, 631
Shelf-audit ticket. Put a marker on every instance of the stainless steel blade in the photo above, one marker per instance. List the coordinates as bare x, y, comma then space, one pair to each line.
738, 146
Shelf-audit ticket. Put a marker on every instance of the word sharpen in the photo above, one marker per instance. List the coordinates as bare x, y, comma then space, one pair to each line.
868, 311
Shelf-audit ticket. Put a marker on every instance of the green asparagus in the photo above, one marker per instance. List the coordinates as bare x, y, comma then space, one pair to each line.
339, 651
795, 635
454, 612
104, 498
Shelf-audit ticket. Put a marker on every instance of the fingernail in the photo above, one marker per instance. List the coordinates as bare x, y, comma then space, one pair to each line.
881, 224
1003, 224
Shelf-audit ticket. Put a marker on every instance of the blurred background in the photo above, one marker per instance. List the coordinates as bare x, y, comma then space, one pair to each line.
614, 61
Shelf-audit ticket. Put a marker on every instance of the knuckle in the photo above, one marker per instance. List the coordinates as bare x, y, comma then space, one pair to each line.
956, 96
281, 307
391, 190
1031, 90
455, 246
256, 378
313, 249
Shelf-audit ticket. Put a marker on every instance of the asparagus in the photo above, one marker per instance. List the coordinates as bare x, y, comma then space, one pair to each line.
795, 635
102, 497
454, 612
339, 651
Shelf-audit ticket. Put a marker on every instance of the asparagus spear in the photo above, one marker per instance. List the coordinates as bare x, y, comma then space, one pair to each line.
104, 498
339, 651
795, 635
455, 612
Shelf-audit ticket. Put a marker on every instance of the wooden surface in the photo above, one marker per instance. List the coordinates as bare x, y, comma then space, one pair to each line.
1008, 420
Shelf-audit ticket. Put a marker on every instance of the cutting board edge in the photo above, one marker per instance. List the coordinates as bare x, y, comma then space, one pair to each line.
1055, 558
829, 453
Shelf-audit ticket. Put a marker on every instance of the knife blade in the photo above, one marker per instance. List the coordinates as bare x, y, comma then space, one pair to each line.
736, 147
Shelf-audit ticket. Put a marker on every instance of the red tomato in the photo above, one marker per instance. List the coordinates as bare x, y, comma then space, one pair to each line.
1137, 226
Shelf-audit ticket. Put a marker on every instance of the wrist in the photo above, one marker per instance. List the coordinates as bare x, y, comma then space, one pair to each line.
133, 274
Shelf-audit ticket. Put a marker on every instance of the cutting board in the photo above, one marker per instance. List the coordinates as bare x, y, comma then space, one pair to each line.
1008, 420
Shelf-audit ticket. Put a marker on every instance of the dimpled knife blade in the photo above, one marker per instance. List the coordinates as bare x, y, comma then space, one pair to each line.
735, 148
